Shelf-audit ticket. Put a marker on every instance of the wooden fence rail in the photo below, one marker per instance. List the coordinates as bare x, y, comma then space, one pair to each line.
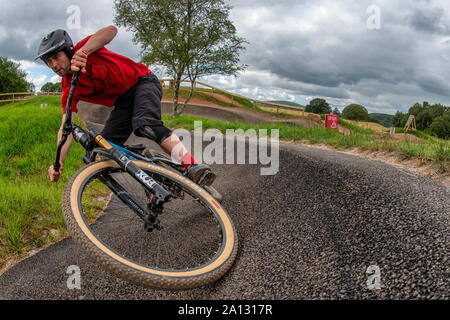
27, 95
21, 96
254, 101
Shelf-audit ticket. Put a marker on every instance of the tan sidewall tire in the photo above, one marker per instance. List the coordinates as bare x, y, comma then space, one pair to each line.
129, 270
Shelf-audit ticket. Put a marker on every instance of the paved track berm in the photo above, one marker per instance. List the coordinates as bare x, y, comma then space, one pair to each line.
318, 229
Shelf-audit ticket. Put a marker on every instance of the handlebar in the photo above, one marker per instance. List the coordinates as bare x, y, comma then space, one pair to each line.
67, 127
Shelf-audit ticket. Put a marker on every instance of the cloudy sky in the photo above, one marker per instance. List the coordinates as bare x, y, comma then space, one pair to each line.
385, 55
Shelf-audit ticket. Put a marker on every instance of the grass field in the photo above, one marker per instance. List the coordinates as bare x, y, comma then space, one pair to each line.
430, 149
369, 125
30, 205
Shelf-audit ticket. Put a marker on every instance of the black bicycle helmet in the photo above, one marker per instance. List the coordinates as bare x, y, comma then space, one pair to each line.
53, 42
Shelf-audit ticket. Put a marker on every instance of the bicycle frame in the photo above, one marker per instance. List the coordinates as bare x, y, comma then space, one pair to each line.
123, 157
132, 155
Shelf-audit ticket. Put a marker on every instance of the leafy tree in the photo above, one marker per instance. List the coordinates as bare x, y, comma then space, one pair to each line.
319, 106
436, 110
12, 78
51, 87
397, 120
426, 114
356, 112
423, 119
336, 111
189, 38
434, 119
416, 109
441, 126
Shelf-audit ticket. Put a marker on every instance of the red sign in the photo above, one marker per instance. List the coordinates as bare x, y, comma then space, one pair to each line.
332, 121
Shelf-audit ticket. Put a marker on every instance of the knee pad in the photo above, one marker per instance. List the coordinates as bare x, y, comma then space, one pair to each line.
157, 133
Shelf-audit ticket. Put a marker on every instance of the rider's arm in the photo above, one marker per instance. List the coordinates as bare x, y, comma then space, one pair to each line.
54, 176
95, 42
67, 145
99, 39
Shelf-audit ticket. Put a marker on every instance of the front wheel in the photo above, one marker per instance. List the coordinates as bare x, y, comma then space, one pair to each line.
196, 245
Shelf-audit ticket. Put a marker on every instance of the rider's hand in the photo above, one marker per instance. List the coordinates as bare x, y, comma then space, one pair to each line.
54, 175
78, 61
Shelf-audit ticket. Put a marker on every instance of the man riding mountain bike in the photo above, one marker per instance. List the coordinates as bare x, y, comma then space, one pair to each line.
110, 79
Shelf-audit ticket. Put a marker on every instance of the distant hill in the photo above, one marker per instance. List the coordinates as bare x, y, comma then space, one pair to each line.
288, 103
383, 118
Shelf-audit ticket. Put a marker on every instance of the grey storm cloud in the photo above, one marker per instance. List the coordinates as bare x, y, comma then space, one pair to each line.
339, 51
24, 24
431, 20
312, 48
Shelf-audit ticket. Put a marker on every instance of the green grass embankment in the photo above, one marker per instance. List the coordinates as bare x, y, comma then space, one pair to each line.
430, 149
30, 205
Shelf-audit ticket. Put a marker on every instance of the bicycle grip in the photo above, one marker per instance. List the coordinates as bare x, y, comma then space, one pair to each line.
56, 166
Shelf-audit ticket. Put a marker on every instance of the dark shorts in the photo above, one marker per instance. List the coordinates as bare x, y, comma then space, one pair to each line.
138, 106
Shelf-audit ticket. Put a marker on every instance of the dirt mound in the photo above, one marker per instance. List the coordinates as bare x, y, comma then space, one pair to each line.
406, 136
245, 114
223, 98
398, 136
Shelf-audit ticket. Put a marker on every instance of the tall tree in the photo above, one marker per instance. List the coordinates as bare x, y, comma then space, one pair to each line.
399, 119
51, 87
12, 78
336, 111
355, 112
190, 38
318, 106
441, 126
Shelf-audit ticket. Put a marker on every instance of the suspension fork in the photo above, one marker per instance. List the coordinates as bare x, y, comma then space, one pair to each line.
159, 195
123, 195
148, 182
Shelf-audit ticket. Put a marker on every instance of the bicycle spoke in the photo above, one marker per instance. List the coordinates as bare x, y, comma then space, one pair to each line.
185, 240
115, 221
140, 251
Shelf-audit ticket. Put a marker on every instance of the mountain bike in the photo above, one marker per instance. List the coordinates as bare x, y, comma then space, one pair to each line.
141, 218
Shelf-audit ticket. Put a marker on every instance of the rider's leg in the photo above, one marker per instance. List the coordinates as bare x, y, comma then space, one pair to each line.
197, 172
118, 127
139, 110
171, 144
147, 117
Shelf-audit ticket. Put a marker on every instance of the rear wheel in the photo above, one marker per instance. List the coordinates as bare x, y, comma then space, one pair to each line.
196, 246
